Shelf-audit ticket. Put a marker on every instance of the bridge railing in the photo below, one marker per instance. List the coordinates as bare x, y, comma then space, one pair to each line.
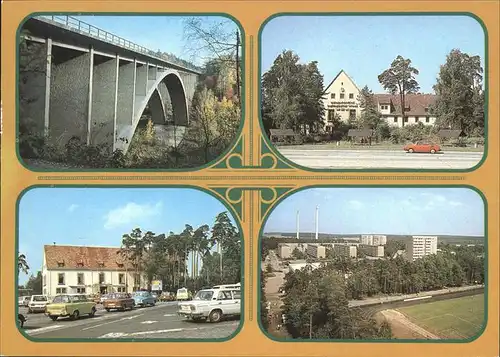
95, 32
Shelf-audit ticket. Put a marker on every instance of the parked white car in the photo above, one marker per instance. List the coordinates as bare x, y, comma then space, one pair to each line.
213, 304
37, 303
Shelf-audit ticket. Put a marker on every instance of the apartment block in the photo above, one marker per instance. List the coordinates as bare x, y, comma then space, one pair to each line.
345, 250
420, 246
316, 251
372, 250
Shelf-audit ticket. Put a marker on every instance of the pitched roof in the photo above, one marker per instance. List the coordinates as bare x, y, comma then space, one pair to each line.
416, 102
79, 257
337, 76
449, 133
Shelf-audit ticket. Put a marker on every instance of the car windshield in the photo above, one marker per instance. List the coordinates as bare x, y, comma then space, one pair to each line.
141, 293
61, 299
39, 298
204, 295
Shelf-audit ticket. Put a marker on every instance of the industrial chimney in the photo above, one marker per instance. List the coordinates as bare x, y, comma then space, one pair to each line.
317, 221
298, 224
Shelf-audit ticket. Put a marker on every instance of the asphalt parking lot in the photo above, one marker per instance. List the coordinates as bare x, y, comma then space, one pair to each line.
155, 322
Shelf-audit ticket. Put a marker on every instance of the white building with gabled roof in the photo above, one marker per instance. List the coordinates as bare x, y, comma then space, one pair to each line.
341, 97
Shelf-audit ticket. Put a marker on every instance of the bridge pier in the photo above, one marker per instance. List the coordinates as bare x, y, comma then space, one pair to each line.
69, 91
103, 99
95, 94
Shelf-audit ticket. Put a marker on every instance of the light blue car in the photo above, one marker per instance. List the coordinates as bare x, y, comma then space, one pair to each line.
144, 298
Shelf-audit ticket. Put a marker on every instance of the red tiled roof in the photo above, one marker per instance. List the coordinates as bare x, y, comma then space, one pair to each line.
416, 102
78, 257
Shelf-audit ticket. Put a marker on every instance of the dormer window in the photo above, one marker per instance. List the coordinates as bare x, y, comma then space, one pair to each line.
79, 264
426, 109
101, 264
120, 265
60, 264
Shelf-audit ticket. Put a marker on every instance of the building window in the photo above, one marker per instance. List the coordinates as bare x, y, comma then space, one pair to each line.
351, 96
44, 280
416, 119
101, 278
137, 281
60, 264
80, 264
80, 279
121, 278
332, 96
101, 265
406, 120
427, 119
395, 120
341, 95
80, 290
60, 290
352, 114
331, 115
60, 279
121, 290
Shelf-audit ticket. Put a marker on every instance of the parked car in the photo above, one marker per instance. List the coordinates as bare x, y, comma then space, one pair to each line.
37, 303
26, 300
213, 304
119, 301
143, 298
72, 306
20, 301
103, 298
422, 147
182, 294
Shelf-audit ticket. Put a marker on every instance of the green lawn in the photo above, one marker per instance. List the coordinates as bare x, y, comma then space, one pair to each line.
381, 146
455, 318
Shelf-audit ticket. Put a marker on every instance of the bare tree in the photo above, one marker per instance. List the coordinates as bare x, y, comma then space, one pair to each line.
218, 40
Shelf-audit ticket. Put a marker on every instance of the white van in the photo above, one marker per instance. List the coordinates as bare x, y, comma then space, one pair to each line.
213, 304
37, 303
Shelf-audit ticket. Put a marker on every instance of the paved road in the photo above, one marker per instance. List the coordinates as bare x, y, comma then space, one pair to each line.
380, 159
160, 321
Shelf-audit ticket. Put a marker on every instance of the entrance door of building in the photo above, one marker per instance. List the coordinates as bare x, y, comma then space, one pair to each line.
104, 289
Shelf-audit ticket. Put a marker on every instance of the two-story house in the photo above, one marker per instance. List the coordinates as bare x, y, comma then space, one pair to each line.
341, 99
87, 270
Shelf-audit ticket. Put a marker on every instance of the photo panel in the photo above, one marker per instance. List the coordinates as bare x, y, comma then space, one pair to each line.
128, 263
331, 94
128, 91
375, 264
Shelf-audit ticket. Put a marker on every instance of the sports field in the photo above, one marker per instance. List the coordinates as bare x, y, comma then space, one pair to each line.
455, 318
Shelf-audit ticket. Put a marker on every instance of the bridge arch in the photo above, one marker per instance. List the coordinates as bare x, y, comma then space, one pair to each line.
178, 98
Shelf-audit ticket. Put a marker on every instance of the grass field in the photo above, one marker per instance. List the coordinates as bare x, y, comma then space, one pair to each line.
455, 318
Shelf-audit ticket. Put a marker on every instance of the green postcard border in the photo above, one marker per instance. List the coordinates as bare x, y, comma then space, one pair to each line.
242, 99
486, 285
126, 340
281, 157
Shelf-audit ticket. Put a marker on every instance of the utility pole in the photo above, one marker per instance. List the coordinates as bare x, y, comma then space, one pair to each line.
238, 65
317, 221
298, 224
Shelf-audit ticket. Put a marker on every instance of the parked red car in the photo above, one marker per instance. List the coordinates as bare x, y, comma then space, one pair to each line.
422, 147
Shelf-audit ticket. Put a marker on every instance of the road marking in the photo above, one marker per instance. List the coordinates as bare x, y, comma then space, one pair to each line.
42, 329
110, 322
148, 322
169, 315
122, 334
113, 335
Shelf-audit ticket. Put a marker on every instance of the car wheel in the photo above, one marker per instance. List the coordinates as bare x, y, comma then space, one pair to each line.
53, 318
433, 151
30, 311
410, 151
153, 303
215, 316
92, 312
21, 323
75, 315
108, 310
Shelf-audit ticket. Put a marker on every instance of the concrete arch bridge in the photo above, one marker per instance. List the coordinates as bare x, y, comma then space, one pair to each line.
89, 83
